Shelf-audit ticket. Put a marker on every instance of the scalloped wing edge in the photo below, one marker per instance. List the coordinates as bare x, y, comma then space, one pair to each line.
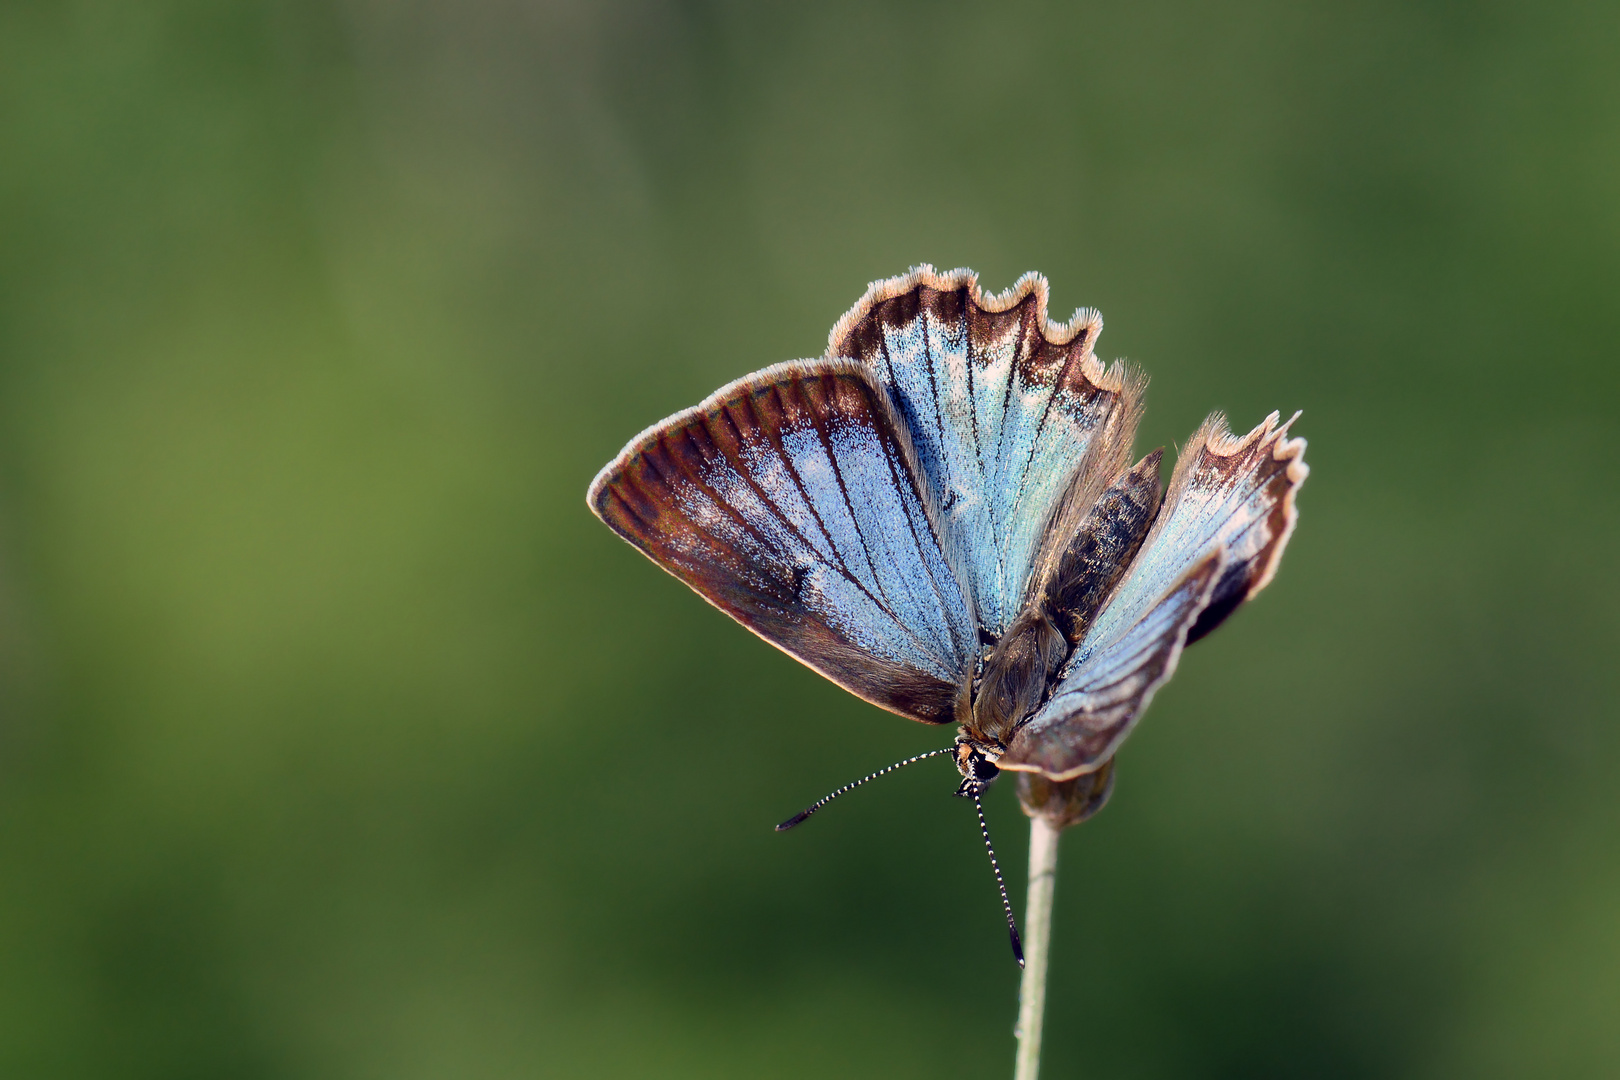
1216, 437
1112, 378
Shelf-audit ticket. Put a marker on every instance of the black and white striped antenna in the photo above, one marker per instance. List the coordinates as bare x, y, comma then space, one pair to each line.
973, 789
1006, 905
818, 804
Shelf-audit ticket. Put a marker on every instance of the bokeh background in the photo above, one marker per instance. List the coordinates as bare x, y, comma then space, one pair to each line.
339, 741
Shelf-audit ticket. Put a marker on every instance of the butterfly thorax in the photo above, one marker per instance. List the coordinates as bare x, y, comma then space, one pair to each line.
1016, 676
1013, 679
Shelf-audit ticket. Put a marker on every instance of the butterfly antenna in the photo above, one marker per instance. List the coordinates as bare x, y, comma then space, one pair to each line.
1006, 905
813, 807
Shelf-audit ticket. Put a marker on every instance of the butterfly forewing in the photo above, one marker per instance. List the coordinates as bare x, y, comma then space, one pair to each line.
1226, 518
790, 500
1003, 408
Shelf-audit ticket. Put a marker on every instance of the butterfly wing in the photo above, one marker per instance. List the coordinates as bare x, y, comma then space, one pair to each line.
1004, 408
1226, 518
1098, 699
790, 500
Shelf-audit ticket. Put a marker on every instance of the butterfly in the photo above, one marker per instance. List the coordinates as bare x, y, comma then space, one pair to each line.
941, 516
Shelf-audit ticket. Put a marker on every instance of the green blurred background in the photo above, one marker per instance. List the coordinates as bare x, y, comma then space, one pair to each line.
340, 741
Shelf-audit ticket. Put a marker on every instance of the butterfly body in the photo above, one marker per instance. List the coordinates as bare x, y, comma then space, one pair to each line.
940, 515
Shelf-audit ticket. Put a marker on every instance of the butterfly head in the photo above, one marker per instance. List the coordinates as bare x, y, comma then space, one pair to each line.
976, 761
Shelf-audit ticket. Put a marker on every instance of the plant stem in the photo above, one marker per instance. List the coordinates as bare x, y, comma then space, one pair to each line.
1043, 852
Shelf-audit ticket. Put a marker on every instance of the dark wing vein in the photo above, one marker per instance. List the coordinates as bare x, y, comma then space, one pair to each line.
887, 603
916, 539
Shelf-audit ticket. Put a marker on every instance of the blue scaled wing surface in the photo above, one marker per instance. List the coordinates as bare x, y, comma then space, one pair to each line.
792, 501
1225, 520
1017, 426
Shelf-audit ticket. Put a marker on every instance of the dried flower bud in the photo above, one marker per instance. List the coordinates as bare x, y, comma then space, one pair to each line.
1066, 802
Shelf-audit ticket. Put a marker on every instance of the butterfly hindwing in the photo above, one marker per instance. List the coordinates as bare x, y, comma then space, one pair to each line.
1215, 542
1006, 411
1226, 490
1102, 547
789, 499
1249, 485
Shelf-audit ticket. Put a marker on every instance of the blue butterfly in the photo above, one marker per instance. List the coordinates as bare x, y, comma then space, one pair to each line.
940, 515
